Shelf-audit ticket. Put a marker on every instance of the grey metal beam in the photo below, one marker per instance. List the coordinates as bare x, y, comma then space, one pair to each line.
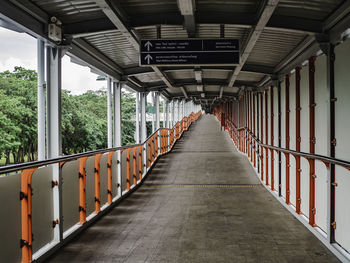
97, 54
339, 14
83, 28
304, 44
187, 9
114, 14
184, 92
41, 100
23, 20
117, 130
109, 114
264, 16
80, 53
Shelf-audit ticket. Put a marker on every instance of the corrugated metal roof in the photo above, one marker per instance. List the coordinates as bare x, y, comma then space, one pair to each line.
116, 47
311, 9
146, 7
149, 77
248, 76
172, 31
273, 46
181, 74
71, 11
217, 74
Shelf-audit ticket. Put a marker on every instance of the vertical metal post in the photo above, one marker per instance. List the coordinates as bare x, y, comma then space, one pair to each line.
298, 139
266, 137
257, 130
173, 113
41, 100
287, 109
143, 99
312, 105
331, 223
262, 136
279, 139
272, 143
153, 113
167, 113
109, 114
254, 131
137, 117
156, 100
117, 130
178, 111
53, 129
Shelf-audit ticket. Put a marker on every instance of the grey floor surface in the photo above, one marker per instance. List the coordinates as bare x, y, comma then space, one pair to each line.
201, 203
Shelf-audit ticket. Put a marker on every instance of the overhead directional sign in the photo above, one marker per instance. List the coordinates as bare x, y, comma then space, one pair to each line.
189, 52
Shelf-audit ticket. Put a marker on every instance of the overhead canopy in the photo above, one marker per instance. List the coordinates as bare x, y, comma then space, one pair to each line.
274, 37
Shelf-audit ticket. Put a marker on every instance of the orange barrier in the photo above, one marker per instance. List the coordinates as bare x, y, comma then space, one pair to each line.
159, 143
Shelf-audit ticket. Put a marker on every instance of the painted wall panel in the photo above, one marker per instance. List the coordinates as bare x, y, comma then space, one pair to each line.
283, 138
70, 194
103, 178
304, 133
90, 185
42, 207
321, 140
292, 141
342, 128
10, 212
115, 174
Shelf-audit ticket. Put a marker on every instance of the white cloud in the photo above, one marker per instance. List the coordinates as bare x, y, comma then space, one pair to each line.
19, 49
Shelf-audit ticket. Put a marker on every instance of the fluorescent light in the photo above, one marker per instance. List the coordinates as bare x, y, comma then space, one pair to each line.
199, 87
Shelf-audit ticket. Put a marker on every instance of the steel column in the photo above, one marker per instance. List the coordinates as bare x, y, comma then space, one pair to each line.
53, 129
279, 139
41, 100
287, 109
117, 130
272, 141
266, 138
156, 100
262, 137
109, 114
331, 144
137, 118
312, 105
298, 138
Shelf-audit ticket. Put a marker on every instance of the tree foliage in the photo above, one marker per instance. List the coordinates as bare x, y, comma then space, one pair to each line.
84, 118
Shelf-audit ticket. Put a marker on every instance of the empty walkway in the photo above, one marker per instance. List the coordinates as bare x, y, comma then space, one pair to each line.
201, 203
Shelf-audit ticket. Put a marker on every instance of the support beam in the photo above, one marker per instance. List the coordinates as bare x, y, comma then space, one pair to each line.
221, 91
117, 129
143, 104
41, 100
157, 124
113, 13
184, 91
137, 118
253, 37
187, 9
109, 114
53, 127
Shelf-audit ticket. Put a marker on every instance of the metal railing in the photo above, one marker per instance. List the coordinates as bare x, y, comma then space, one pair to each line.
247, 143
89, 183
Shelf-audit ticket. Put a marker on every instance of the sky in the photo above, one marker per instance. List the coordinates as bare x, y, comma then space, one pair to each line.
19, 49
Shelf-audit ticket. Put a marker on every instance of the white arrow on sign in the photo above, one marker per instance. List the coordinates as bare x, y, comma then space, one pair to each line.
148, 58
148, 45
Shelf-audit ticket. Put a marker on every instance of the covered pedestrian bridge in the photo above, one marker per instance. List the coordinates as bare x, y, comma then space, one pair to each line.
249, 164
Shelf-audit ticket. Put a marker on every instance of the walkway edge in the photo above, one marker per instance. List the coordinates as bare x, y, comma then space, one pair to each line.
337, 250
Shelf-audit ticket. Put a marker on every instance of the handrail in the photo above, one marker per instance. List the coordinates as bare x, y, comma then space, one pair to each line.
145, 154
71, 157
325, 159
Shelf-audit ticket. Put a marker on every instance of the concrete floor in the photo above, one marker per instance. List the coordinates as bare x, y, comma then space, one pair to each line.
201, 203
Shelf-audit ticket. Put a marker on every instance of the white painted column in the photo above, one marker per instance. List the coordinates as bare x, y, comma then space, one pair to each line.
167, 113
137, 118
41, 100
109, 114
164, 113
153, 113
143, 103
53, 128
117, 124
173, 113
156, 100
178, 110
